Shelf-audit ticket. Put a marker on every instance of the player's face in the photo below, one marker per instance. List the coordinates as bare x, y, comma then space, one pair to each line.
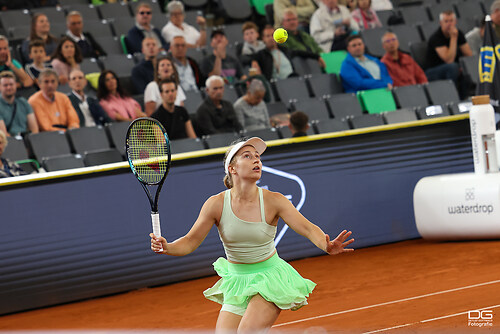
356, 47
248, 162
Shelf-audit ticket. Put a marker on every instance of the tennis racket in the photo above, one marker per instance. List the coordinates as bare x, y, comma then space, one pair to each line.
148, 154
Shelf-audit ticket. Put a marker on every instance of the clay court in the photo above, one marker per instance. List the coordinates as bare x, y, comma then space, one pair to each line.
406, 287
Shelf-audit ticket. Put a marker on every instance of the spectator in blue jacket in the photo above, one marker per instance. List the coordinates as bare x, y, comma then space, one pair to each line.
360, 71
144, 28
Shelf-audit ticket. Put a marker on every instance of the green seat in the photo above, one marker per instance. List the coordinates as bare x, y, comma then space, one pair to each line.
375, 101
334, 60
260, 5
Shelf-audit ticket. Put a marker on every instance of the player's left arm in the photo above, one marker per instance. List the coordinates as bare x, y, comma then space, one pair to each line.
293, 218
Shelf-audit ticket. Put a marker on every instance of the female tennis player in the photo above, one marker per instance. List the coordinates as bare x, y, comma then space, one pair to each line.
256, 284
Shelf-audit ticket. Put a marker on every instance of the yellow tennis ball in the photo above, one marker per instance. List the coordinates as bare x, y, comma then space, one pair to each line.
280, 35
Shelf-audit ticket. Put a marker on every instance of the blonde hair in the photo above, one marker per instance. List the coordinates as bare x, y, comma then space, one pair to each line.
228, 178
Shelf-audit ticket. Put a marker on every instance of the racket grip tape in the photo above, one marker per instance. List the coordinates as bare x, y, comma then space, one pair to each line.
155, 220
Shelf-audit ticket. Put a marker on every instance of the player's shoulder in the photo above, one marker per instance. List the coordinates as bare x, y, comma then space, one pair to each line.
216, 200
273, 196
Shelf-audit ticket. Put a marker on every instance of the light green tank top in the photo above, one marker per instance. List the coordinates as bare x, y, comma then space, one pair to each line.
245, 242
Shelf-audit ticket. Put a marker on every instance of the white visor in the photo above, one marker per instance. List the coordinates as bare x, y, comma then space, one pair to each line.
256, 142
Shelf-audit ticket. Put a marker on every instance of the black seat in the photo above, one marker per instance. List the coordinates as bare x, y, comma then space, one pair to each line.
442, 6
48, 144
113, 10
470, 67
117, 131
344, 105
442, 92
470, 10
264, 134
400, 115
314, 108
89, 13
193, 100
121, 25
406, 35
230, 94
331, 125
236, 10
291, 89
15, 18
101, 157
58, 29
15, 150
432, 111
87, 139
195, 3
186, 145
66, 3
90, 65
220, 139
418, 51
428, 29
414, 15
306, 66
275, 108
285, 131
373, 41
98, 28
324, 85
19, 33
384, 15
363, 121
233, 33
62, 162
111, 45
54, 14
410, 96
196, 54
121, 64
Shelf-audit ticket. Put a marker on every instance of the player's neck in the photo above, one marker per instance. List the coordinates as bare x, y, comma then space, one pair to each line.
244, 191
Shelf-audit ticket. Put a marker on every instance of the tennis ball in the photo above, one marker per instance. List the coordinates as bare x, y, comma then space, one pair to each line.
280, 35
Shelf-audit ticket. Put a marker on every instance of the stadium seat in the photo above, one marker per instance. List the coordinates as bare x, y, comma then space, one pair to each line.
325, 85
375, 101
470, 67
53, 14
65, 89
90, 65
442, 92
429, 29
269, 13
400, 115
15, 18
186, 145
470, 10
373, 41
190, 17
344, 105
220, 139
236, 10
196, 54
457, 108
315, 109
437, 9
363, 121
334, 61
101, 157
113, 10
193, 100
384, 15
66, 3
330, 125
406, 35
111, 45
306, 66
117, 132
195, 3
414, 15
275, 108
264, 134
121, 64
432, 111
285, 131
121, 25
18, 33
418, 51
87, 139
62, 162
58, 29
98, 28
230, 94
410, 96
233, 33
292, 89
15, 150
89, 13
48, 144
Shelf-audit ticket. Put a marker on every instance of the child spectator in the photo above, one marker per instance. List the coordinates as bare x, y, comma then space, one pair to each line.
39, 57
252, 44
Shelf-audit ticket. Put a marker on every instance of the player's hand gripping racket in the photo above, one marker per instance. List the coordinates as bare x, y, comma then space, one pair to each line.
148, 154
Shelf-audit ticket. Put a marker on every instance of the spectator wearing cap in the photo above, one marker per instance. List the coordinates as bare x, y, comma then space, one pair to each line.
177, 27
219, 62
88, 46
143, 28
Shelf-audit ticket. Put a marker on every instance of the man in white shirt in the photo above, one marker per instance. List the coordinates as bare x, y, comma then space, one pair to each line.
177, 27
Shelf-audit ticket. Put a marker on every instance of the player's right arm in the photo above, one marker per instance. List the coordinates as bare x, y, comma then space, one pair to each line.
209, 214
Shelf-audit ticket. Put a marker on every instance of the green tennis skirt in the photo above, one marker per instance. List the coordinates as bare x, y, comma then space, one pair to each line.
274, 279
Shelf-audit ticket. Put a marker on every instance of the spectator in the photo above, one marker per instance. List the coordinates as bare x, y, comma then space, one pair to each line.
251, 110
360, 71
89, 47
331, 24
365, 16
475, 37
16, 115
7, 167
164, 69
403, 70
303, 8
9, 64
175, 119
53, 110
67, 57
299, 124
88, 109
273, 62
219, 62
143, 28
40, 29
299, 40
495, 16
216, 115
115, 101
39, 57
252, 44
445, 47
143, 73
177, 27
190, 75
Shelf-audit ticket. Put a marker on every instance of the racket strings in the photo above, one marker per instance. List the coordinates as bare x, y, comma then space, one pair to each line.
148, 151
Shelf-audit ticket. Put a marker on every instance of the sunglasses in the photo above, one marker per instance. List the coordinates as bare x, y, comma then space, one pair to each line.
145, 13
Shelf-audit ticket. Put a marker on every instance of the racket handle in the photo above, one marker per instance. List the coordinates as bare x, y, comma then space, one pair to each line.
155, 220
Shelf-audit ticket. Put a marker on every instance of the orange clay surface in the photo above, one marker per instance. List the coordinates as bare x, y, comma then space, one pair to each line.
406, 287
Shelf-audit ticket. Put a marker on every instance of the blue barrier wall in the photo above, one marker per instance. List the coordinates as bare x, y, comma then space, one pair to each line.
83, 236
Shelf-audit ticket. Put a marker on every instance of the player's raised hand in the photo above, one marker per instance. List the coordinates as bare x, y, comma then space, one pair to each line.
338, 245
158, 244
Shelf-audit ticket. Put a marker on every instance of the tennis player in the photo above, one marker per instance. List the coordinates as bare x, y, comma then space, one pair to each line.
256, 284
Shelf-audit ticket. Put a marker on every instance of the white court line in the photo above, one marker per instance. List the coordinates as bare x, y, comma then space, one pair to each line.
388, 303
429, 320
